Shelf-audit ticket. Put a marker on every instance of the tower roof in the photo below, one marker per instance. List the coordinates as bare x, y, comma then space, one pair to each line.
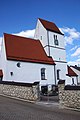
50, 26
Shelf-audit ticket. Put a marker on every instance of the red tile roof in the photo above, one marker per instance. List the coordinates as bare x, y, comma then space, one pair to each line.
76, 67
71, 72
1, 73
50, 26
25, 49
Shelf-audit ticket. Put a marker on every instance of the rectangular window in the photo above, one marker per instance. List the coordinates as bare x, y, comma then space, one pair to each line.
58, 76
41, 37
42, 73
72, 81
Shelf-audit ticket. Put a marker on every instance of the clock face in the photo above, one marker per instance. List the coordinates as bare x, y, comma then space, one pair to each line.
56, 42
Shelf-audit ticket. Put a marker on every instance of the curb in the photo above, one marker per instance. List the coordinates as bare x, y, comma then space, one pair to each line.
24, 100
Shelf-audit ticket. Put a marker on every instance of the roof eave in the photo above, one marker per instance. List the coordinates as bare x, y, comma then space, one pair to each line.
54, 31
71, 75
31, 61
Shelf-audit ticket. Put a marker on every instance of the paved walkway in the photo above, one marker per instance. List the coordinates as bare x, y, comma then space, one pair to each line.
49, 104
11, 109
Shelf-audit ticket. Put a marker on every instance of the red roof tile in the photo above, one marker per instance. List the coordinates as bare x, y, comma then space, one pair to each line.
76, 67
1, 73
50, 26
71, 72
25, 49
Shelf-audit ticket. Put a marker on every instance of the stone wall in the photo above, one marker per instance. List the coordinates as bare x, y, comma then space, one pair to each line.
27, 91
69, 96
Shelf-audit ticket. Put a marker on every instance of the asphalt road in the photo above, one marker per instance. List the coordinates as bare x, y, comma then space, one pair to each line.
11, 109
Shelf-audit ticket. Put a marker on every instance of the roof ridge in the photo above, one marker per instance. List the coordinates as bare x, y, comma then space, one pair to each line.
46, 20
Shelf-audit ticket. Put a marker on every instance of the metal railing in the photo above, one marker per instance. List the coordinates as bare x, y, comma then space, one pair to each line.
48, 93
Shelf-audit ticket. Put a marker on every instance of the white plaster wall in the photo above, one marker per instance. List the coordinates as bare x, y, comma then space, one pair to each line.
63, 70
58, 54
47, 50
57, 51
69, 80
41, 31
29, 72
3, 59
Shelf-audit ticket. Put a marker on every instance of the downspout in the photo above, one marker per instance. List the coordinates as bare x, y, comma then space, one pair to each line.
48, 42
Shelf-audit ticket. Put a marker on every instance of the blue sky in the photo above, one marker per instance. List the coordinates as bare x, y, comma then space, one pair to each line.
20, 17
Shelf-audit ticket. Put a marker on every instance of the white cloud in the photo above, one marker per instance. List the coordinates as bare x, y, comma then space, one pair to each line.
77, 62
26, 33
76, 53
74, 48
0, 42
71, 34
78, 56
72, 63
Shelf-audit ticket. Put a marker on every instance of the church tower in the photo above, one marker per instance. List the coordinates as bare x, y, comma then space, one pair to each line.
53, 42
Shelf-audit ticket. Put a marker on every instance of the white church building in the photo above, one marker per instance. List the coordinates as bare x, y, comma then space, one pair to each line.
53, 43
42, 59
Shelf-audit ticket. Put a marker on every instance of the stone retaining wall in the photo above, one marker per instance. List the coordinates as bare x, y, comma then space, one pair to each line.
27, 91
69, 96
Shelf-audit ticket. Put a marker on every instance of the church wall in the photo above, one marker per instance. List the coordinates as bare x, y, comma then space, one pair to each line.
29, 72
63, 70
60, 39
69, 80
41, 31
3, 59
58, 54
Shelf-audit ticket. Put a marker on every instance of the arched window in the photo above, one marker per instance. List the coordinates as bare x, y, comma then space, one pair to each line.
42, 73
72, 81
18, 64
58, 74
11, 73
54, 37
56, 40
